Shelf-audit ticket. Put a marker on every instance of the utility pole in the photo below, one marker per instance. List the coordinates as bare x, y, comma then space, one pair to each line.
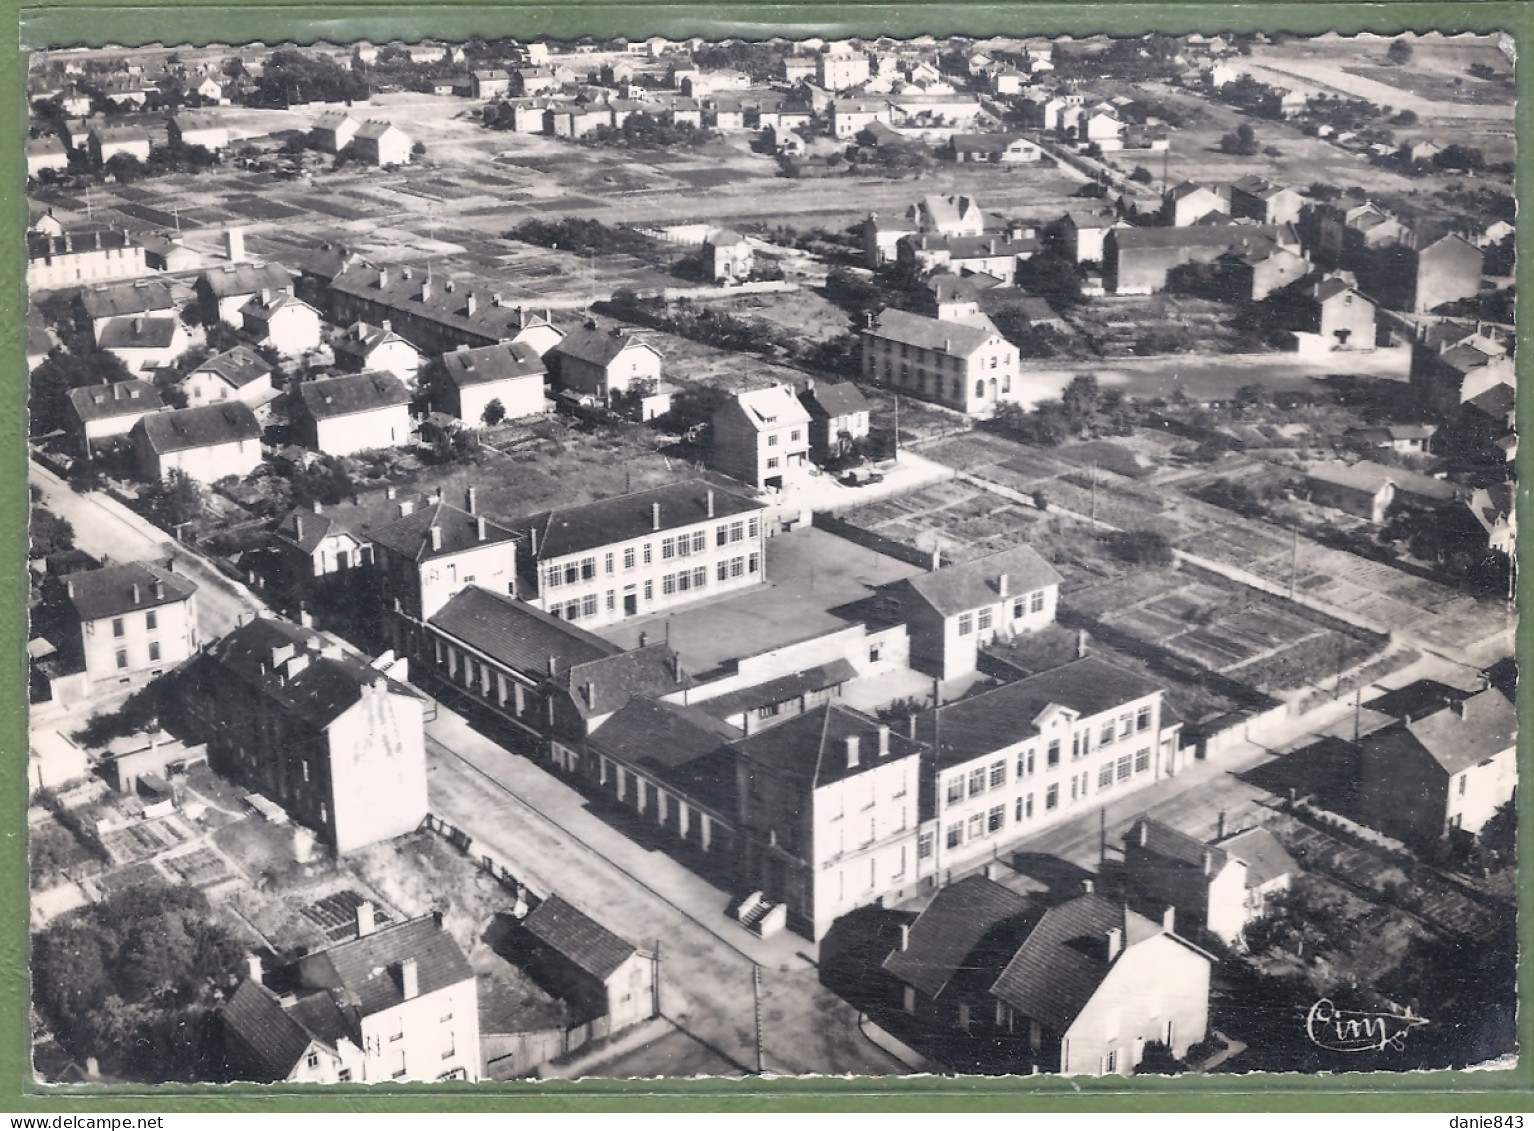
1102, 835
756, 996
1294, 557
1358, 710
1094, 496
655, 982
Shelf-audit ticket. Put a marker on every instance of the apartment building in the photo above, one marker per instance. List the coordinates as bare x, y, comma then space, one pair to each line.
208, 443
970, 367
762, 438
641, 553
134, 620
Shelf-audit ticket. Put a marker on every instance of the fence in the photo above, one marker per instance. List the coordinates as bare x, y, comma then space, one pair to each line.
510, 1055
485, 861
831, 524
765, 287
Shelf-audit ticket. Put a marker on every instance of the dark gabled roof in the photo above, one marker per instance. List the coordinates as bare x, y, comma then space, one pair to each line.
329, 397
1207, 235
1188, 188
1265, 858
268, 1041
517, 635
365, 972
1158, 839
1064, 959
114, 300
232, 279
598, 347
1496, 402
181, 429
137, 333
262, 309
830, 399
332, 119
812, 748
649, 732
957, 338
123, 398
460, 531
973, 727
375, 128
444, 302
948, 937
601, 686
117, 589
986, 143
780, 690
1467, 733
237, 367
586, 943
608, 522
306, 528
509, 361
971, 585
328, 684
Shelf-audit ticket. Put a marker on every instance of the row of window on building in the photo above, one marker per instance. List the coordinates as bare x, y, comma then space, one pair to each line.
679, 546
1033, 603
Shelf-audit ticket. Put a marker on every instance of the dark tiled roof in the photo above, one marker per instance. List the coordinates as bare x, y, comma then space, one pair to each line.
612, 681
98, 402
516, 634
361, 339
1496, 402
1465, 734
329, 397
375, 128
237, 367
119, 589
1064, 959
1264, 857
982, 723
184, 428
262, 1040
831, 399
113, 300
445, 302
263, 309
1162, 840
233, 279
661, 734
357, 518
411, 535
957, 338
506, 362
1211, 235
367, 969
780, 690
598, 347
970, 585
812, 748
949, 936
137, 333
622, 519
585, 942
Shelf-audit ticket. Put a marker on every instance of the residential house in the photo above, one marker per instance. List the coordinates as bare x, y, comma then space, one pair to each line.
106, 142
994, 149
1421, 780
968, 367
333, 131
432, 314
211, 92
851, 116
829, 806
283, 322
510, 374
1408, 439
1007, 763
581, 962
955, 611
1369, 489
315, 729
492, 83
45, 154
598, 363
223, 291
398, 1003
1137, 260
839, 69
362, 346
640, 553
381, 143
319, 544
839, 418
727, 256
576, 119
239, 374
143, 344
1188, 203
100, 413
528, 81
1453, 363
130, 621
1447, 270
1255, 271
1336, 313
1220, 886
1495, 514
205, 130
762, 438
356, 412
994, 255
207, 443
168, 252
1255, 198
107, 302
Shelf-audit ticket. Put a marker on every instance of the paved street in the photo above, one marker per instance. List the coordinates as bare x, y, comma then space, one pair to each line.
104, 528
545, 832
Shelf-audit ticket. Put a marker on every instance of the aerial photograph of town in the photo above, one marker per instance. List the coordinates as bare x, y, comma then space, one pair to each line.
763, 557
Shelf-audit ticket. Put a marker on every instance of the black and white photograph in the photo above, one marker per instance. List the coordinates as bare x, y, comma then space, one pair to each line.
771, 557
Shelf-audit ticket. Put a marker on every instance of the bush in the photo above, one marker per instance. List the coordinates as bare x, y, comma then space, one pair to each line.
1143, 548
1242, 143
1142, 175
1399, 53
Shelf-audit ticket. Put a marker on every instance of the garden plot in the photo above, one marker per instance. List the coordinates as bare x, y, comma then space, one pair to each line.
141, 840
336, 914
201, 867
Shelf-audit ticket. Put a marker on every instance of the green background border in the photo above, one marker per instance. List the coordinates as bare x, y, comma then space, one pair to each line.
95, 24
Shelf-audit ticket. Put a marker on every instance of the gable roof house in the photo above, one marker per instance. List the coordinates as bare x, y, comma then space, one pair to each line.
362, 346
224, 290
597, 363
1137, 260
510, 374
968, 366
840, 417
208, 443
283, 322
143, 343
1447, 270
130, 621
334, 130
1255, 198
397, 1003
103, 302
355, 412
762, 438
239, 374
99, 413
1188, 203
583, 963
433, 314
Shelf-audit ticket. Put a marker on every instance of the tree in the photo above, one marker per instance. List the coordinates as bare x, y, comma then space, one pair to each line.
51, 382
1142, 175
50, 533
1399, 53
494, 413
175, 500
1143, 548
1081, 400
1242, 143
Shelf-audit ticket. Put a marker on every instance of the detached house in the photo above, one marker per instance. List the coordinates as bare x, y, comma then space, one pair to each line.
363, 346
1188, 203
381, 143
970, 367
1337, 314
951, 613
511, 375
399, 1003
727, 256
1255, 198
354, 413
762, 438
584, 964
133, 620
199, 129
316, 729
1422, 780
224, 290
106, 302
142, 343
333, 131
839, 417
99, 413
598, 363
287, 324
240, 374
1447, 271
208, 443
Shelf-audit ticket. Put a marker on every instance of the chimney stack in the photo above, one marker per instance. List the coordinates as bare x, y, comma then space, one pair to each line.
319, 507
1002, 584
1208, 862
409, 979
480, 525
253, 967
905, 937
234, 245
159, 589
364, 918
676, 667
135, 593
710, 502
387, 326
884, 740
1219, 827
1459, 709
436, 538
470, 498
383, 278
391, 491
1144, 833
1081, 644
1115, 941
472, 304
655, 516
852, 751
553, 664
989, 871
1169, 920
1086, 887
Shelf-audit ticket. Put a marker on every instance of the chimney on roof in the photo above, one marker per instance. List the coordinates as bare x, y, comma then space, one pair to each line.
266, 296
158, 589
1460, 709
1169, 920
533, 537
135, 593
138, 325
426, 291
884, 740
383, 278
364, 918
319, 507
69, 242
253, 968
69, 586
553, 664
409, 979
390, 491
470, 498
676, 667
234, 245
655, 516
937, 559
1087, 887
587, 693
1081, 644
447, 285
406, 273
1115, 942
436, 538
1219, 826
905, 937
1208, 862
497, 300
852, 751
710, 502
1002, 584
298, 526
479, 522
117, 392
947, 345
472, 305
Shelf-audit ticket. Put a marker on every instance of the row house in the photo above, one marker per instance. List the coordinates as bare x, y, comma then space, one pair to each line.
131, 621
641, 553
434, 315
1080, 988
316, 729
968, 367
1138, 260
398, 1003
317, 544
1454, 363
762, 438
206, 443
1007, 763
356, 412
953, 612
99, 414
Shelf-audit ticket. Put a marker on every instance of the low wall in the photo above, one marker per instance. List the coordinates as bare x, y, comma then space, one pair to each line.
831, 524
765, 287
